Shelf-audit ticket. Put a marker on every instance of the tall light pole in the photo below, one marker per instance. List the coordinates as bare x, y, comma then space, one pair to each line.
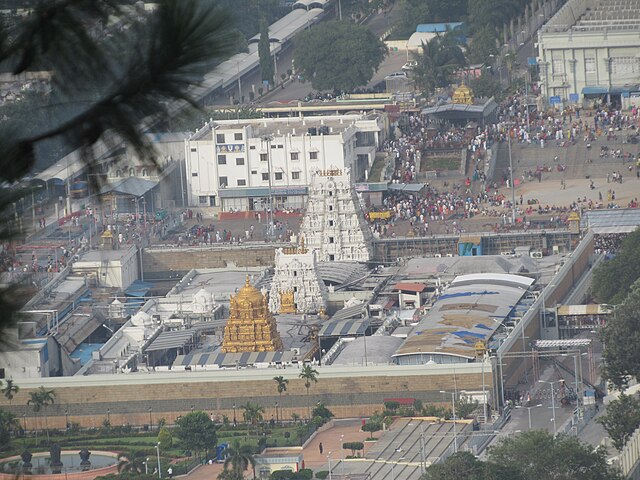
455, 433
158, 455
513, 188
529, 411
553, 404
150, 419
329, 460
342, 456
267, 139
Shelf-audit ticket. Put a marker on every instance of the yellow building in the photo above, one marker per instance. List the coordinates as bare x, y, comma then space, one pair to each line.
251, 327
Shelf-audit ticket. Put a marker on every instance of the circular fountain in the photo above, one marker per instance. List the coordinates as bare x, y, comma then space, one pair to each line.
70, 465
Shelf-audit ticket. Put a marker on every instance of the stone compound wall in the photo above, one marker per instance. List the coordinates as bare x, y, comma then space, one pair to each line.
347, 396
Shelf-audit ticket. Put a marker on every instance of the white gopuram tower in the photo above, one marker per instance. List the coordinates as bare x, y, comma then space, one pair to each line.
333, 223
296, 286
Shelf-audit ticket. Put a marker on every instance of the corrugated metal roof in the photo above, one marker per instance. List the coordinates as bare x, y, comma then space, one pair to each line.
464, 314
172, 339
410, 287
134, 186
611, 217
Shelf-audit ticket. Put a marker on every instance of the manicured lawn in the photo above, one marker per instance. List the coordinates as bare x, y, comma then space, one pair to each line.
439, 163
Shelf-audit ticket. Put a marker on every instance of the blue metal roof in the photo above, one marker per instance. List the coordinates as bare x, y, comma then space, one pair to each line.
437, 27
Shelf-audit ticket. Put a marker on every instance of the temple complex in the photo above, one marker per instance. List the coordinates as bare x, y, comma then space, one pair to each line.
296, 286
333, 223
251, 327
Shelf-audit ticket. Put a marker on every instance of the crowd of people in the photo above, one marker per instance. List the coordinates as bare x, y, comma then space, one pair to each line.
608, 243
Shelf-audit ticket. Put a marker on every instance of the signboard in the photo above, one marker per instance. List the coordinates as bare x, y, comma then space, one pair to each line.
380, 215
574, 97
531, 61
555, 100
230, 148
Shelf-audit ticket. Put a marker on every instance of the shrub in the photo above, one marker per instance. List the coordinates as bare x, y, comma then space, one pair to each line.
322, 474
353, 446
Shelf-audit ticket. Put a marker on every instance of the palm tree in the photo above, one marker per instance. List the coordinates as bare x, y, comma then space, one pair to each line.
130, 463
309, 375
40, 400
282, 387
440, 57
10, 389
253, 413
239, 458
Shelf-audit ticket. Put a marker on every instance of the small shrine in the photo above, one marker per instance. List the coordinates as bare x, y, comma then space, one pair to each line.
463, 94
251, 327
296, 286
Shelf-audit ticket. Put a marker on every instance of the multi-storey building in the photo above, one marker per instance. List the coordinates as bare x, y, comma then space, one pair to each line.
241, 164
589, 51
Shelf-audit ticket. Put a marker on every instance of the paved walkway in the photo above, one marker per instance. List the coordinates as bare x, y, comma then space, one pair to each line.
332, 442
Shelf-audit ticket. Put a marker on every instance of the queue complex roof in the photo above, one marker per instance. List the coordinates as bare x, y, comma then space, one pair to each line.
618, 220
470, 310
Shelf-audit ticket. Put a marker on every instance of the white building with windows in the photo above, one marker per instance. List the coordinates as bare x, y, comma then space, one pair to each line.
239, 164
590, 50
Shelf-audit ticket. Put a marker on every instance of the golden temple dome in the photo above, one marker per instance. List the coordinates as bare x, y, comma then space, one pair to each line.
463, 94
249, 293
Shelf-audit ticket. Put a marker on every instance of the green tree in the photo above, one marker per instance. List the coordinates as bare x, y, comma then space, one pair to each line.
483, 45
372, 426
613, 278
39, 401
264, 53
121, 82
437, 62
321, 411
353, 446
165, 438
253, 413
485, 86
461, 465
621, 419
537, 454
621, 356
230, 475
8, 426
412, 13
309, 375
338, 56
10, 389
196, 430
239, 458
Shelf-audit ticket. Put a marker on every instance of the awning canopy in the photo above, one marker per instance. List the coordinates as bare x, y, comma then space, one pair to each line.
348, 328
133, 186
410, 287
594, 90
234, 359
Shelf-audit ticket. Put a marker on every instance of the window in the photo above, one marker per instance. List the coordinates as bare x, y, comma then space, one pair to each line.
222, 159
281, 146
145, 172
294, 156
278, 175
624, 65
590, 65
331, 223
254, 172
313, 155
265, 177
252, 147
237, 136
220, 138
223, 182
202, 199
241, 182
240, 161
558, 66
194, 174
264, 157
331, 208
295, 175
331, 240
194, 149
332, 258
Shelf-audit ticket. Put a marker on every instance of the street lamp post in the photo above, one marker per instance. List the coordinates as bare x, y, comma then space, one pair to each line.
158, 455
277, 417
109, 416
150, 419
66, 418
455, 433
529, 411
234, 415
342, 456
146, 466
329, 460
553, 404
267, 139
